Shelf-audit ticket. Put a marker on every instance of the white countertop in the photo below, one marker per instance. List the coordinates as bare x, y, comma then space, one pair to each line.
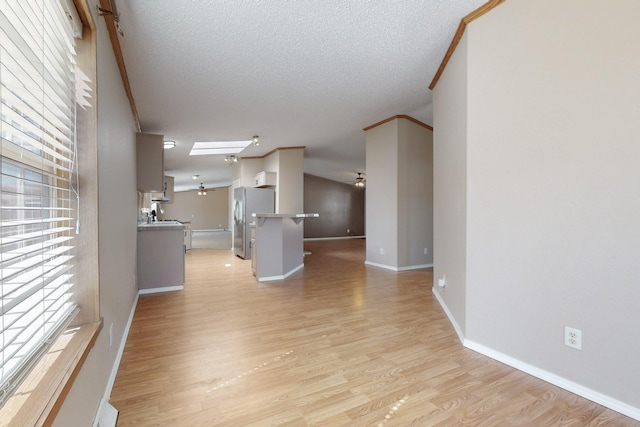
161, 225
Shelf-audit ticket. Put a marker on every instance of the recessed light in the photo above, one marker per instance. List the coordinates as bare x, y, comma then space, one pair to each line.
169, 144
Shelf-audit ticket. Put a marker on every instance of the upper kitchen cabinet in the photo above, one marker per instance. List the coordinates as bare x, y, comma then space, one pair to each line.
265, 179
150, 162
166, 196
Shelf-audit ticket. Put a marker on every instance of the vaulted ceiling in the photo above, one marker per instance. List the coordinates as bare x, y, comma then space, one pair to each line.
308, 73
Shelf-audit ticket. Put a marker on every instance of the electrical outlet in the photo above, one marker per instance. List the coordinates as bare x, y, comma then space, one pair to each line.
426, 251
348, 230
573, 338
442, 282
381, 251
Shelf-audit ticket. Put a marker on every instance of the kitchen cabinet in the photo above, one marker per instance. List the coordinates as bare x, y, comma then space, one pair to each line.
168, 188
166, 196
188, 236
149, 162
160, 256
264, 179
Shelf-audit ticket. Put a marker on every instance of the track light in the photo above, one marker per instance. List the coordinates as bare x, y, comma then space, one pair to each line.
256, 141
231, 159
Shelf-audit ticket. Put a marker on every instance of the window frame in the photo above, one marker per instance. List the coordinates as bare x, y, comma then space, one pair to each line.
38, 398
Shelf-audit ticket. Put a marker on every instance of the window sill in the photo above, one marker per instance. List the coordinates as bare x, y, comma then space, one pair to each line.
39, 397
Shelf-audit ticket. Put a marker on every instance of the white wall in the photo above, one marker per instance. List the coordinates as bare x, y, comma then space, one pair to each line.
552, 190
287, 164
117, 235
244, 171
271, 163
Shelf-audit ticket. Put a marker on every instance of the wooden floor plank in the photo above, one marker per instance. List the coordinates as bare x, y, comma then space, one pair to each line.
335, 344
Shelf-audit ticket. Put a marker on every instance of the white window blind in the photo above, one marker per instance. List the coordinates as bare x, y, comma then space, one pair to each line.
38, 198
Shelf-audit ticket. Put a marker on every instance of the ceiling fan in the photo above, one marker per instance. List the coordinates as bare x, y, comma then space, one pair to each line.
202, 191
360, 181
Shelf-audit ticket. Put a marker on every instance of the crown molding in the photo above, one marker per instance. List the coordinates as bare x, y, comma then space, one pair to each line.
488, 6
273, 151
117, 50
400, 116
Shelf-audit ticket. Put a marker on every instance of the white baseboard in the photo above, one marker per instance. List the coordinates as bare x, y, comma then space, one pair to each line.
103, 418
556, 380
414, 267
392, 268
452, 319
160, 290
375, 264
107, 416
284, 276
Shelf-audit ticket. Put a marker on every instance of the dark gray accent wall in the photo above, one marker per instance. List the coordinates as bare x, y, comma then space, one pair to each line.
340, 205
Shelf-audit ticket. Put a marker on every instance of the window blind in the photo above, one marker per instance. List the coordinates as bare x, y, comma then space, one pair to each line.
38, 206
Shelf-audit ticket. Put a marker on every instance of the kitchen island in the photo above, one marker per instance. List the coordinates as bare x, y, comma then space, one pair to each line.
160, 256
279, 248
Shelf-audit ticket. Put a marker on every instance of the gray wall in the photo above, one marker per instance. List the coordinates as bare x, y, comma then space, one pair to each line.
204, 212
552, 200
117, 213
450, 186
415, 194
382, 194
340, 205
399, 205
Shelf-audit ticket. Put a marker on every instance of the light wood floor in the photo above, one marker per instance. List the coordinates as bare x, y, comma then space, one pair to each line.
336, 344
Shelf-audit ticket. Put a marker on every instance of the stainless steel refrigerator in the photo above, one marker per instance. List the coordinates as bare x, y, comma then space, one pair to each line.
247, 201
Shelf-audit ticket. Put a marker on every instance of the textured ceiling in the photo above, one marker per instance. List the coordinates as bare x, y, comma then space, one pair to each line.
297, 73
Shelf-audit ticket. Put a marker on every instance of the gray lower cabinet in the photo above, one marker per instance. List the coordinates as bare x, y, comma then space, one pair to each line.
160, 258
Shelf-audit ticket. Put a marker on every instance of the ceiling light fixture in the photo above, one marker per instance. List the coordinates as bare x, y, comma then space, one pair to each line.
195, 176
231, 159
168, 144
359, 181
256, 141
201, 190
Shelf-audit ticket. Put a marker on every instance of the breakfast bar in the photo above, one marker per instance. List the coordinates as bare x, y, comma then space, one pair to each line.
278, 245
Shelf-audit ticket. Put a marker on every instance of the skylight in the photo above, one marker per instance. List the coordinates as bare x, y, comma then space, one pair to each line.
218, 147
